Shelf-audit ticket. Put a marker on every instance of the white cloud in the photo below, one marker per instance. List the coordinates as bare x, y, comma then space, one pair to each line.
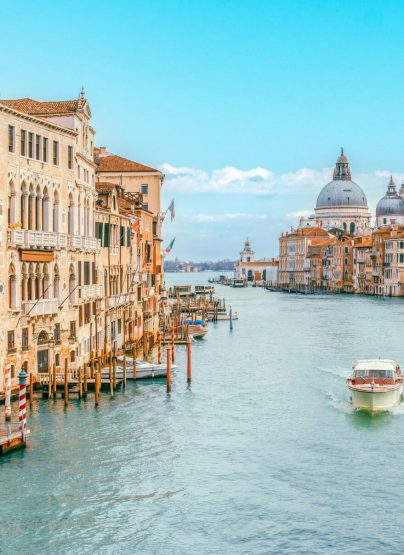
300, 214
230, 217
256, 181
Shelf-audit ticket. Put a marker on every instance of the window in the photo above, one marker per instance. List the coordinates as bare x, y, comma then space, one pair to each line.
44, 149
55, 153
122, 236
24, 339
56, 335
23, 142
144, 189
73, 330
86, 273
10, 342
346, 261
128, 236
119, 326
70, 157
79, 271
72, 356
79, 171
106, 235
30, 145
385, 220
38, 147
346, 250
401, 244
87, 313
98, 230
401, 258
11, 138
146, 205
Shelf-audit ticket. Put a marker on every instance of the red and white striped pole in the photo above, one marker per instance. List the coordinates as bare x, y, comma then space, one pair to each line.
7, 400
23, 403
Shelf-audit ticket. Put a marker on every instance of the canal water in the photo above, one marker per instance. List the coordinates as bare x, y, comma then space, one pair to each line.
262, 454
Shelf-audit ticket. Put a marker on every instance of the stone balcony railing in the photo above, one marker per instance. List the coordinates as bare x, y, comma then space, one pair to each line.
89, 244
116, 300
28, 238
91, 292
43, 307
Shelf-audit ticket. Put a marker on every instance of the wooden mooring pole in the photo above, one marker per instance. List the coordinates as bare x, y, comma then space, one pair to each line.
97, 379
168, 369
189, 360
85, 377
159, 348
66, 385
54, 381
7, 401
111, 381
50, 374
31, 388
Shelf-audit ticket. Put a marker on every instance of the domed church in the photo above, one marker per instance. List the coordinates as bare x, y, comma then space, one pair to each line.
341, 203
390, 209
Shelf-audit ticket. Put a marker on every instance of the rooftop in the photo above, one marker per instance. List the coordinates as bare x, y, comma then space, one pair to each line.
108, 162
38, 108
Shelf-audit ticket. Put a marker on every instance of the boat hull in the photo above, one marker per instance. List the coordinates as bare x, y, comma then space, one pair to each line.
376, 400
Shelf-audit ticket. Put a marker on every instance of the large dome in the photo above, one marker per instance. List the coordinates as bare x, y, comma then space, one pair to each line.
342, 191
391, 204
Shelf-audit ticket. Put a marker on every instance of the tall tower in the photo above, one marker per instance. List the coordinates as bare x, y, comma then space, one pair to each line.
247, 254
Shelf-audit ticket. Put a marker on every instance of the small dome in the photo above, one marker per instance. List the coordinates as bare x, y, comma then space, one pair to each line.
342, 191
391, 204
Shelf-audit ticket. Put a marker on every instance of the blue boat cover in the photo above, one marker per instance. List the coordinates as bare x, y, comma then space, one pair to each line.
194, 322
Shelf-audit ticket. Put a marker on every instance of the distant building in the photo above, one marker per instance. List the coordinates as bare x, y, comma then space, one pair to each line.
252, 270
390, 209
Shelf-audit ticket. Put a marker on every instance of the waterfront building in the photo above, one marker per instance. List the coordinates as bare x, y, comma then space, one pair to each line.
390, 209
294, 260
393, 282
362, 265
118, 266
134, 177
342, 203
251, 270
49, 296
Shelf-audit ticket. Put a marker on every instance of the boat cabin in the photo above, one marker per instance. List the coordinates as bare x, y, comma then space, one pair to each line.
381, 372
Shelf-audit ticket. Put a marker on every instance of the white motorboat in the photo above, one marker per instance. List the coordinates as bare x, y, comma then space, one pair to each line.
143, 369
375, 384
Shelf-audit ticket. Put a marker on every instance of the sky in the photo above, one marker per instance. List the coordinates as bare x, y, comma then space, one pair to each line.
243, 104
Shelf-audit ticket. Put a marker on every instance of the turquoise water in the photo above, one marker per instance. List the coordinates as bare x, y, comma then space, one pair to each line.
262, 454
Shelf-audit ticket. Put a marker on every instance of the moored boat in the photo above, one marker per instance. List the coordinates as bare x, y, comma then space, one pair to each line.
196, 328
375, 385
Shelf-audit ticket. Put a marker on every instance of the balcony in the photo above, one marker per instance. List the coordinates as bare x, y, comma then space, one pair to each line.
114, 251
89, 244
90, 292
43, 307
116, 300
27, 238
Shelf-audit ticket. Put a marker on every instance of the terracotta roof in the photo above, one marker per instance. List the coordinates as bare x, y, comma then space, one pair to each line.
363, 242
113, 163
261, 263
317, 242
37, 108
104, 186
124, 206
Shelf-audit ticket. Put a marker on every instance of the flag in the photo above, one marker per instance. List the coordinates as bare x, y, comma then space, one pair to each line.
170, 246
172, 210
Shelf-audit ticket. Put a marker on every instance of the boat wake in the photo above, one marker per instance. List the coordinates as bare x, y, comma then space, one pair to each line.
341, 405
339, 371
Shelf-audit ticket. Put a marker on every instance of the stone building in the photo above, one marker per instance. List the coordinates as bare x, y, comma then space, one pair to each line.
342, 203
47, 245
390, 209
251, 270
138, 178
294, 262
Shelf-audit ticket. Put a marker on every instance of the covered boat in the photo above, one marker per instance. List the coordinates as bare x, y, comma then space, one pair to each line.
375, 384
196, 328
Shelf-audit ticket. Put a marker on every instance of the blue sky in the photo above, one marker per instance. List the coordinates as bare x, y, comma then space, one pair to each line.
244, 104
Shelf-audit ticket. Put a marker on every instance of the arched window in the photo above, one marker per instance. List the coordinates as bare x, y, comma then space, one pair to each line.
344, 226
72, 284
55, 211
31, 208
345, 275
72, 356
56, 282
352, 228
43, 338
250, 275
12, 287
12, 204
57, 359
45, 210
38, 209
71, 215
24, 206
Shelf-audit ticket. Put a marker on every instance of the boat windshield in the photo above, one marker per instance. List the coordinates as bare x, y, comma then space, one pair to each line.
374, 374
